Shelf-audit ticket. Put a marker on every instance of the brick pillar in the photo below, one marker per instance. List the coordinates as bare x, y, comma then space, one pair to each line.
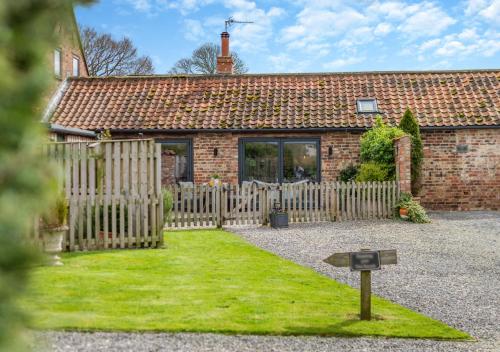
402, 156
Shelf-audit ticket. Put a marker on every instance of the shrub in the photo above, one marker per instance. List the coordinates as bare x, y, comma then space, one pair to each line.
349, 173
416, 213
57, 214
372, 171
409, 124
377, 145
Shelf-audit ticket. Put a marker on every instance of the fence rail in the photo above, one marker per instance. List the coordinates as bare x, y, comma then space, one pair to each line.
114, 193
250, 204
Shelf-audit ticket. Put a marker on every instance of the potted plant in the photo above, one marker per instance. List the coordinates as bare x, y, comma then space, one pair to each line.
53, 226
403, 205
215, 181
410, 210
279, 218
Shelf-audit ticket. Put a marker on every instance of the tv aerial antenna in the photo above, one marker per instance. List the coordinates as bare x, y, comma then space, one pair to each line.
230, 21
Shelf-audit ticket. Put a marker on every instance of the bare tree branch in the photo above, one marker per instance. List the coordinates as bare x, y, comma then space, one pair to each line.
204, 60
108, 57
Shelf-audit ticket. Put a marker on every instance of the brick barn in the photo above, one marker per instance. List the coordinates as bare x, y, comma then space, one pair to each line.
290, 127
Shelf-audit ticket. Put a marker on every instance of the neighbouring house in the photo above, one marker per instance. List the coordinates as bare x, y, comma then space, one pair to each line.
291, 127
65, 60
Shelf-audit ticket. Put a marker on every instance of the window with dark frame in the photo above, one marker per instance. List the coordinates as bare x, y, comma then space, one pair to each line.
278, 160
57, 62
366, 105
177, 161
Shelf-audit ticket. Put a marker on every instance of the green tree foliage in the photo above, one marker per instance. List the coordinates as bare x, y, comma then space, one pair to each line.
377, 145
372, 171
409, 124
27, 28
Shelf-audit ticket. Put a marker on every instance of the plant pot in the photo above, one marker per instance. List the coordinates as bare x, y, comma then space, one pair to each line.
52, 243
403, 213
279, 220
214, 182
101, 235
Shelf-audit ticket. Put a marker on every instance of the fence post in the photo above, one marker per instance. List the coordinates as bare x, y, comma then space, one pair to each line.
265, 210
218, 204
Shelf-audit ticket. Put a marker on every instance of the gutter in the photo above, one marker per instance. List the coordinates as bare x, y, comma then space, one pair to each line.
239, 130
70, 130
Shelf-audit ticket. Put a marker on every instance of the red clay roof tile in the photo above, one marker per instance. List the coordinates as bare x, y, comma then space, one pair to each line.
253, 102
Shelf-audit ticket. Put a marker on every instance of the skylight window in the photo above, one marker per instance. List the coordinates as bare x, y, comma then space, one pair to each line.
366, 105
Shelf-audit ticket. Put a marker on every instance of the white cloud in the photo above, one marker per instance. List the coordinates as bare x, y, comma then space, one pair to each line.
193, 30
426, 20
276, 12
492, 12
463, 44
348, 25
140, 5
316, 25
343, 62
383, 29
241, 5
284, 63
430, 44
256, 35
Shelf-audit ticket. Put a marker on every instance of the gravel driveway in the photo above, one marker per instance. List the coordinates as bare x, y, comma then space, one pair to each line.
449, 270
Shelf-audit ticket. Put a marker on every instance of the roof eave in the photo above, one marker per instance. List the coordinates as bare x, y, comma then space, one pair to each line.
271, 130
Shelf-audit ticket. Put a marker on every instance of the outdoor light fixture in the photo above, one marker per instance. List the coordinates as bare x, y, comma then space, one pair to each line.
330, 151
216, 151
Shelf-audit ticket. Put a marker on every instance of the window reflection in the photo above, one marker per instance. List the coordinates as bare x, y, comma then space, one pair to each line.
261, 161
175, 162
300, 162
280, 160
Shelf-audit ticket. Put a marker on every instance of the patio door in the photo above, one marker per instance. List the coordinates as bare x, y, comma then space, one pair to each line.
279, 160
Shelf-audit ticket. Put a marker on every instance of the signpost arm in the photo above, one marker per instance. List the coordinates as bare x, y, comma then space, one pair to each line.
366, 294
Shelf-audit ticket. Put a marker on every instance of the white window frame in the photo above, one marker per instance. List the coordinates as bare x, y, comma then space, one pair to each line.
76, 60
58, 62
359, 108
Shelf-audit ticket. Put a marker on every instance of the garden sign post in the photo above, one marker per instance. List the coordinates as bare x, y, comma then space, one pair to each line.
364, 261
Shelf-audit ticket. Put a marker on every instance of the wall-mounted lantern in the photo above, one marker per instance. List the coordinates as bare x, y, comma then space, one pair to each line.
330, 151
216, 152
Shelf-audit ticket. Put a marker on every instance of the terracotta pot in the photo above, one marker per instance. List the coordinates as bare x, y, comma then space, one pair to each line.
101, 235
52, 243
214, 182
403, 213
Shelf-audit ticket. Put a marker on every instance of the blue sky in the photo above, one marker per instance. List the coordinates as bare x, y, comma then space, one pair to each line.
311, 35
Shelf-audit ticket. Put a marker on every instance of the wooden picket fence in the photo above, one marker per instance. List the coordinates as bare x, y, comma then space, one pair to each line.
114, 193
251, 204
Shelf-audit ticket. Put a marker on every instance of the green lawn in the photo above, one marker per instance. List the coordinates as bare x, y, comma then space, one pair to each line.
209, 281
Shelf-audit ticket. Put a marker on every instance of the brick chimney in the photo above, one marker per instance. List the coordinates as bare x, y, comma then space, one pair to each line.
224, 61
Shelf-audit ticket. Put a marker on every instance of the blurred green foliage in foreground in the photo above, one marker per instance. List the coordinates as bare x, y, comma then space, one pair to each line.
27, 29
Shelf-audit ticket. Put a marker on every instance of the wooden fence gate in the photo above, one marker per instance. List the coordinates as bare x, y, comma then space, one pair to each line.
114, 193
251, 204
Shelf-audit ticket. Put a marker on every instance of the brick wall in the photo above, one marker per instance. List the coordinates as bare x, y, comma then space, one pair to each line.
466, 179
451, 180
167, 167
225, 164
